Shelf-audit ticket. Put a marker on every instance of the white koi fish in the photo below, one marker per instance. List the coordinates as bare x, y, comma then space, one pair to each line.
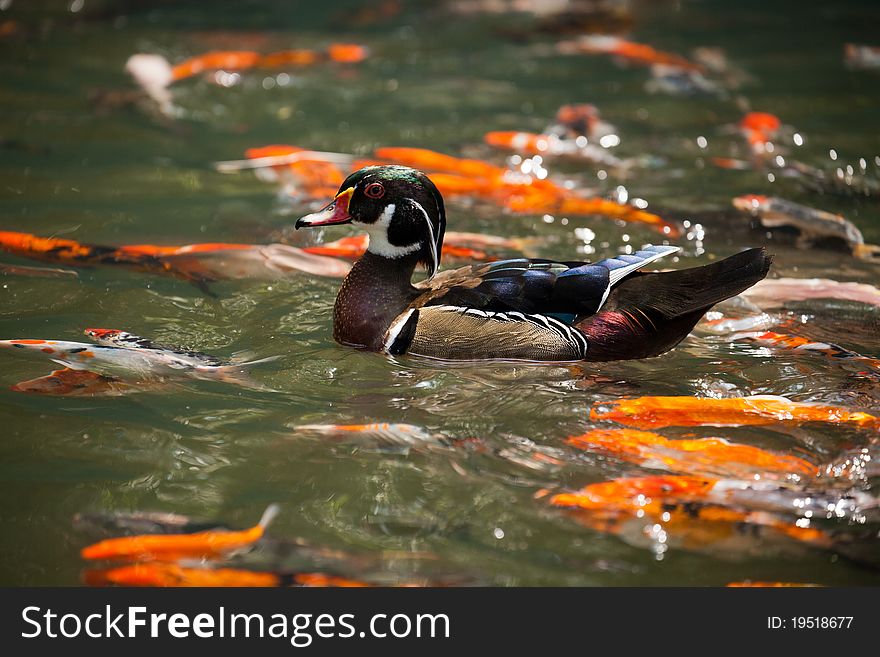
143, 361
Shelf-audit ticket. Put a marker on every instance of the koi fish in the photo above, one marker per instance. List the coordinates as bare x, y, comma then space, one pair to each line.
210, 544
427, 160
70, 382
703, 457
721, 326
155, 74
141, 360
552, 146
799, 344
731, 163
676, 81
681, 511
197, 263
760, 129
860, 56
124, 340
140, 522
657, 412
580, 120
813, 224
637, 53
173, 575
775, 291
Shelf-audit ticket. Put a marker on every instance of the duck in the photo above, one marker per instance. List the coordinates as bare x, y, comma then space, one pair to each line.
521, 309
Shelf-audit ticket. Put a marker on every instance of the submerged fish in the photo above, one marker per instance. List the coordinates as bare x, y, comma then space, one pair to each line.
774, 292
36, 272
692, 513
759, 130
174, 575
125, 340
155, 74
580, 120
705, 457
209, 544
799, 344
812, 224
77, 383
141, 360
384, 432
637, 53
550, 145
656, 412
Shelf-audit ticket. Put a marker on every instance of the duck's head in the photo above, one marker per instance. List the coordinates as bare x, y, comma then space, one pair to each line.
399, 207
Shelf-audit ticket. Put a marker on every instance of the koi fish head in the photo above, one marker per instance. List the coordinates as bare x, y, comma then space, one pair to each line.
101, 333
749, 202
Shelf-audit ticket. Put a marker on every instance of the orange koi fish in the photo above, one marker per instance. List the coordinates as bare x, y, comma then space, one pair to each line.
705, 457
76, 383
240, 60
552, 146
427, 160
676, 510
197, 263
722, 326
210, 544
799, 344
637, 53
657, 412
759, 129
173, 575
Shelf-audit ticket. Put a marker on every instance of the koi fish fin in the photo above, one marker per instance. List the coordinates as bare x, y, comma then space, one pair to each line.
269, 515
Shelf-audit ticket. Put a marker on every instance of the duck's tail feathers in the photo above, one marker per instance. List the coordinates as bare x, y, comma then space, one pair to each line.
648, 314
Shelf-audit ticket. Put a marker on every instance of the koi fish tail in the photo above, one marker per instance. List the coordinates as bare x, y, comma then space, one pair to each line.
237, 374
269, 515
647, 314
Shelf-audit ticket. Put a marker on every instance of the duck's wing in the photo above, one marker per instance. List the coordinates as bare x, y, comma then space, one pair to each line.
460, 333
568, 290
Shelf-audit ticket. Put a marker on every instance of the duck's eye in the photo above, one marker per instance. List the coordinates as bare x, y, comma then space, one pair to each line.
375, 190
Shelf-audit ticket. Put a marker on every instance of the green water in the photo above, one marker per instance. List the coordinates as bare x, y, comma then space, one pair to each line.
440, 80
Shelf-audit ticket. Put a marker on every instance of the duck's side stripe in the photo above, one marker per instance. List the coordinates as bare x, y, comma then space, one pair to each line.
401, 333
570, 334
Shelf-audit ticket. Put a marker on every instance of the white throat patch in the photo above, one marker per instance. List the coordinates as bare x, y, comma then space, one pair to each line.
378, 232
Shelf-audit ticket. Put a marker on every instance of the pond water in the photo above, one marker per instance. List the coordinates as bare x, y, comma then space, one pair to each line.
439, 76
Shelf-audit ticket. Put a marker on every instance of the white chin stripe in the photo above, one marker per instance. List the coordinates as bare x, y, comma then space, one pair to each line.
378, 232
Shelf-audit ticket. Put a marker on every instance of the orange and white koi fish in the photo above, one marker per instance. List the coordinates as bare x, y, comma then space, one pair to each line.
813, 224
774, 292
552, 146
799, 344
160, 574
197, 263
681, 511
861, 56
703, 457
69, 382
143, 361
760, 129
580, 120
657, 412
209, 544
155, 74
637, 53
722, 326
